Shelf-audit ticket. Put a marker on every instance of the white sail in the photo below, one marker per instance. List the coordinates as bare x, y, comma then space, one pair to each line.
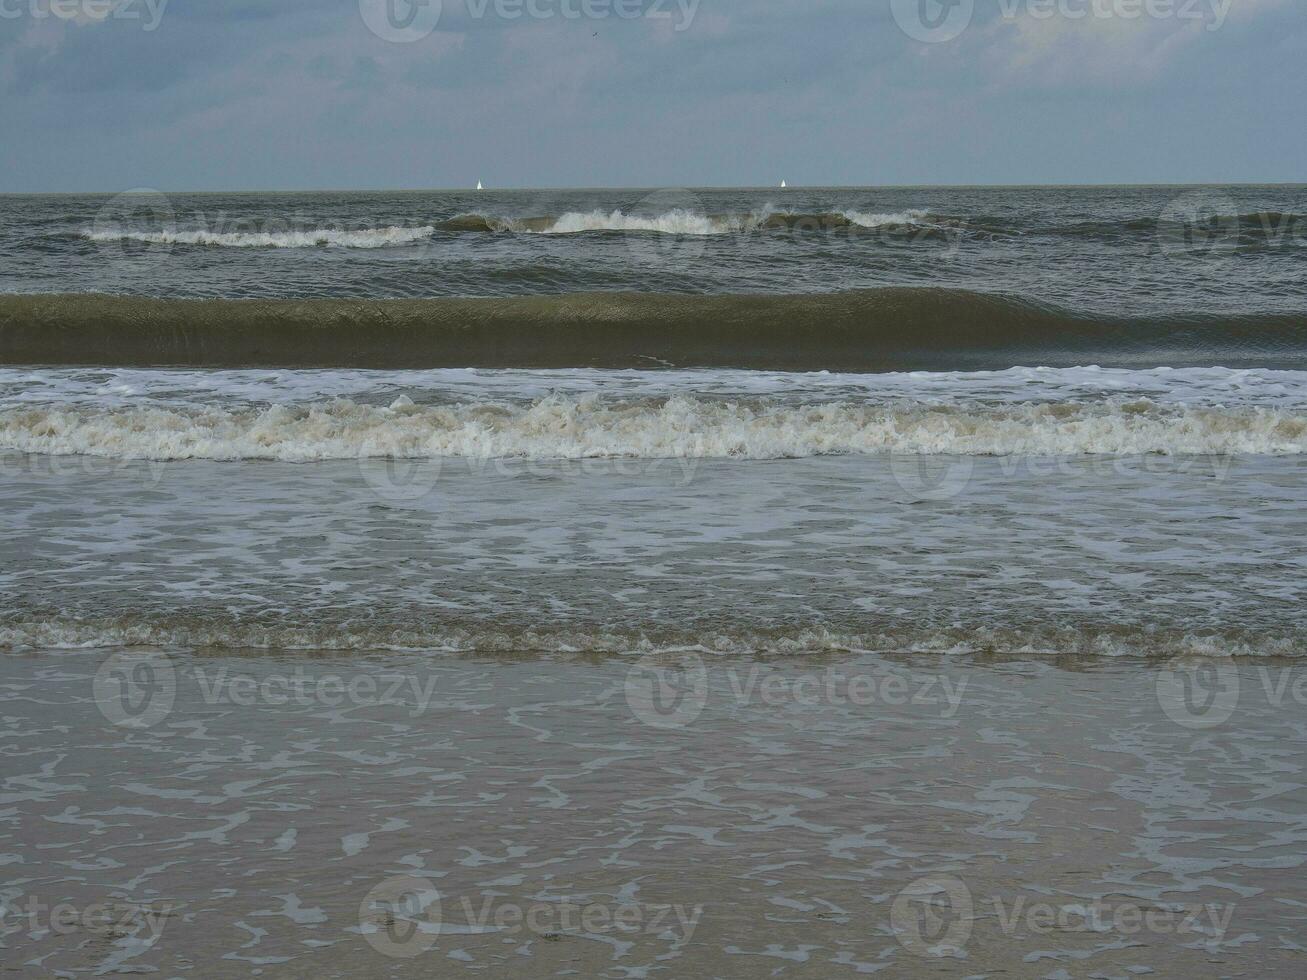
783, 184
479, 187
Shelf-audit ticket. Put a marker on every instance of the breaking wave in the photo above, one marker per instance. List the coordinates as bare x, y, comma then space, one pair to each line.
679, 222
672, 222
312, 238
560, 427
490, 638
1252, 228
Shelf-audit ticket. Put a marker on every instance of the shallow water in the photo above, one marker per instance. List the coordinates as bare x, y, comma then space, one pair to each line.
1141, 555
824, 816
902, 581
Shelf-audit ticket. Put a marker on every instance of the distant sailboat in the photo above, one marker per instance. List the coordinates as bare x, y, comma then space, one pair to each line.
783, 185
479, 187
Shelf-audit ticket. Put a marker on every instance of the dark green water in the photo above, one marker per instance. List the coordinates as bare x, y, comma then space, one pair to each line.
841, 278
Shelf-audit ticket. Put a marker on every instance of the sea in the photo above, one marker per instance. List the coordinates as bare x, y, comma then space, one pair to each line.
654, 583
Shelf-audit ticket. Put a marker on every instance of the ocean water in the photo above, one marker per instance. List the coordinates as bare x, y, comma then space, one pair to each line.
804, 582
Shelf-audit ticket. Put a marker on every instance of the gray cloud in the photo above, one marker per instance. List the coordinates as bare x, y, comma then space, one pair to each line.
300, 93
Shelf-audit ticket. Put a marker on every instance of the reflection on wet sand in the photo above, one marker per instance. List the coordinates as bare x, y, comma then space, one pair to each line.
417, 815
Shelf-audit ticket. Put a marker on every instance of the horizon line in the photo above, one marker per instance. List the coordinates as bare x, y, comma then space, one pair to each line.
1292, 182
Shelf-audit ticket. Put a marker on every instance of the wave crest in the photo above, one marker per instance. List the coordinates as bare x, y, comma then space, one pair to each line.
679, 221
490, 638
311, 238
887, 329
589, 427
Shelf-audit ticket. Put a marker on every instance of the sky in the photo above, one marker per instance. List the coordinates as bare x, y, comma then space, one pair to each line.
108, 95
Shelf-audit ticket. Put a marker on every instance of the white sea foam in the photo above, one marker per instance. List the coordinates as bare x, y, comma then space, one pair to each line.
675, 222
183, 631
874, 220
681, 426
117, 387
312, 238
683, 222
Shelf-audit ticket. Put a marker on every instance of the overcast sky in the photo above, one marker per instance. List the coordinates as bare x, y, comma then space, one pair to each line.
283, 94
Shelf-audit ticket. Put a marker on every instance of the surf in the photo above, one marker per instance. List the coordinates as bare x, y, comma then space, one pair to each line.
310, 238
681, 426
682, 222
423, 631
